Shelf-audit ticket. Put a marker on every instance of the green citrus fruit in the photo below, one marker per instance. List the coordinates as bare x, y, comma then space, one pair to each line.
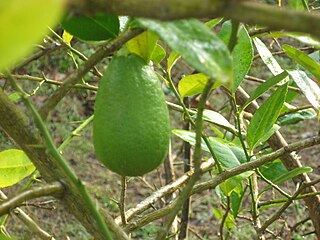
131, 127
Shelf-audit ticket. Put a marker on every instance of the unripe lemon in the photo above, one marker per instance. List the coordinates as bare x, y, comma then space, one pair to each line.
131, 127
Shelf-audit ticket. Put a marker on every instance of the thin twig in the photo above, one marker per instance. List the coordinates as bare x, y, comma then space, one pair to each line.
52, 189
29, 222
84, 68
277, 215
224, 218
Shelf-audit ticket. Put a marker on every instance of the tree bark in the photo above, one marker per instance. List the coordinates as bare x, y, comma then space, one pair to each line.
251, 12
17, 126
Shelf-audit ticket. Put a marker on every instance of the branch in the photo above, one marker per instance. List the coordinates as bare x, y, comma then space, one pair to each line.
221, 178
30, 223
251, 12
84, 68
53, 189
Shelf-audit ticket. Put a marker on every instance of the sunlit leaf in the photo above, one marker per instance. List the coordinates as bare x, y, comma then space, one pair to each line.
14, 166
267, 57
200, 47
158, 54
226, 152
308, 87
304, 60
192, 84
143, 45
23, 24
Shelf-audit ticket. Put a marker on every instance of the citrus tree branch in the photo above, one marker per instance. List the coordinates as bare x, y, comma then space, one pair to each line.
51, 189
17, 125
84, 68
251, 12
211, 184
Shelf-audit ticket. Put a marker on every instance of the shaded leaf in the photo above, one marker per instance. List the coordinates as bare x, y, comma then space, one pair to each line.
99, 27
14, 166
201, 48
23, 24
242, 53
228, 186
273, 169
298, 4
295, 117
288, 175
264, 118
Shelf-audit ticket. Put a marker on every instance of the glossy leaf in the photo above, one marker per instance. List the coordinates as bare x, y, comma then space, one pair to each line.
303, 59
158, 54
23, 24
242, 53
308, 87
264, 87
14, 166
264, 118
143, 45
295, 117
192, 84
226, 152
92, 28
217, 119
201, 48
267, 57
172, 60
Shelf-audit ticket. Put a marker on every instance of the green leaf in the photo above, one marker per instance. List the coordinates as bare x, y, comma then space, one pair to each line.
172, 60
201, 48
273, 169
242, 53
23, 24
264, 118
267, 57
226, 152
298, 4
228, 186
287, 176
158, 54
308, 87
14, 166
229, 221
143, 45
99, 27
295, 117
214, 22
219, 120
264, 87
192, 84
304, 60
